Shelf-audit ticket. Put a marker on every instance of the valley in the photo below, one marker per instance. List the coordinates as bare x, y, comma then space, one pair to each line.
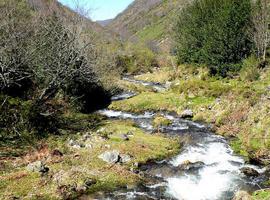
169, 100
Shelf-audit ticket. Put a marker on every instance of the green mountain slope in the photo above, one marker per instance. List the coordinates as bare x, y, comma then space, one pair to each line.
149, 22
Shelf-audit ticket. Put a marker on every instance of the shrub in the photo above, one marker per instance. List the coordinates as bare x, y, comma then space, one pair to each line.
215, 33
250, 70
137, 59
13, 116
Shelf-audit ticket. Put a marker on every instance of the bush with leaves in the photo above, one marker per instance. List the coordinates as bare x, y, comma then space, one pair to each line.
215, 33
136, 59
250, 70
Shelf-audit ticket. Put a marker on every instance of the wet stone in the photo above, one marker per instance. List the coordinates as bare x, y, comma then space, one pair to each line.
250, 172
124, 137
187, 114
110, 157
125, 158
37, 166
187, 165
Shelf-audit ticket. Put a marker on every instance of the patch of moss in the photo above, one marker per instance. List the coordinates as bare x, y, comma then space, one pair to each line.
149, 101
238, 148
261, 195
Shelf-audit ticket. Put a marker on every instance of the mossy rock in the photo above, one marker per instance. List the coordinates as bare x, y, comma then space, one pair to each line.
161, 121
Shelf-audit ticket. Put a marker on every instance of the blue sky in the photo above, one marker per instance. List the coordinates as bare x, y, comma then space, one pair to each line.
100, 9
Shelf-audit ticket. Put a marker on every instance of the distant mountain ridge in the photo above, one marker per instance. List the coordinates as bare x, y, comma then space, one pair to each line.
149, 22
104, 22
94, 27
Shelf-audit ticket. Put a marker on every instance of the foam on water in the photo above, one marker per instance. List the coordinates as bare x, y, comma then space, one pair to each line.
157, 86
221, 172
124, 95
125, 115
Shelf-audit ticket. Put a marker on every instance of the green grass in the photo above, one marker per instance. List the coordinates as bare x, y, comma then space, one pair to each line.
165, 101
152, 32
261, 195
237, 147
159, 76
72, 170
149, 101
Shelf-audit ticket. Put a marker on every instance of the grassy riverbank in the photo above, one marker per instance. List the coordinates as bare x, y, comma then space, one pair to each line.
238, 109
71, 167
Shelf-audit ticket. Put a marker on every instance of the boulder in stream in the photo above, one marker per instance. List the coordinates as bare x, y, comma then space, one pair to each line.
250, 172
187, 114
187, 165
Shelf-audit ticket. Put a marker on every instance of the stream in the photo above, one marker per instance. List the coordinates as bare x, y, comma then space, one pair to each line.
205, 169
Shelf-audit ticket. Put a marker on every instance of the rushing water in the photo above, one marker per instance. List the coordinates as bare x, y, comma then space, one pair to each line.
156, 86
212, 173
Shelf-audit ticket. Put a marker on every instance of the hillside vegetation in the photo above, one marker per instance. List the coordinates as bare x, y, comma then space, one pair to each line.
149, 22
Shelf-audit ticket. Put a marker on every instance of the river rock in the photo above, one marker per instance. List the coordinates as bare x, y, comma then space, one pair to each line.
187, 114
76, 144
168, 85
57, 153
187, 165
89, 182
125, 158
110, 156
242, 195
124, 137
249, 172
130, 134
37, 166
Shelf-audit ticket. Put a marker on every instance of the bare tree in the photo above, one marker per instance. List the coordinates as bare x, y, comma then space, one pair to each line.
48, 48
261, 32
14, 55
62, 57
